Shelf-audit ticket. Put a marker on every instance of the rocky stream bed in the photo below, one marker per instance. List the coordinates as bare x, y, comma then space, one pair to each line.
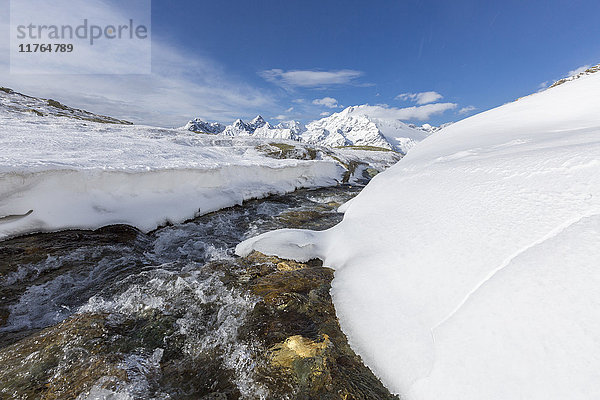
173, 314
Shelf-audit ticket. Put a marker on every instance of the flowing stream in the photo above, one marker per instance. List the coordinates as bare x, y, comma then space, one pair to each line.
116, 313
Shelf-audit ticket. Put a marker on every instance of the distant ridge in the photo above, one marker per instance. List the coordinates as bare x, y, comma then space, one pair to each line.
352, 127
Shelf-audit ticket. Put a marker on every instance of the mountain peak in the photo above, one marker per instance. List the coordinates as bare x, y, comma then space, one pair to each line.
257, 122
198, 125
239, 122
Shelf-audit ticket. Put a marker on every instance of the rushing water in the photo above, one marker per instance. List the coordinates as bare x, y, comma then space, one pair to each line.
90, 305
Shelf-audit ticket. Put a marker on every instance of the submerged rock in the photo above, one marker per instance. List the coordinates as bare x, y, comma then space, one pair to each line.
297, 348
307, 355
61, 362
169, 315
289, 337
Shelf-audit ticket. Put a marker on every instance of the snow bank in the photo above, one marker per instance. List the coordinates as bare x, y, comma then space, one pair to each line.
470, 269
75, 174
63, 199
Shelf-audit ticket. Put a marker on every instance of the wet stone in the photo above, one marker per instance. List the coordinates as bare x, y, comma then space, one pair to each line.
174, 315
307, 355
60, 362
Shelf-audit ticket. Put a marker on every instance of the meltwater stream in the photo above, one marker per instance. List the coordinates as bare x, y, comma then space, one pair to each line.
116, 313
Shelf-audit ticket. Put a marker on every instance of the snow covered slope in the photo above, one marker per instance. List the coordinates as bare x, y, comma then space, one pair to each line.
470, 269
294, 126
20, 104
275, 133
77, 173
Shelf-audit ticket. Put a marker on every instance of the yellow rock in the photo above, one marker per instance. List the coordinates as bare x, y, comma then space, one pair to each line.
297, 347
289, 266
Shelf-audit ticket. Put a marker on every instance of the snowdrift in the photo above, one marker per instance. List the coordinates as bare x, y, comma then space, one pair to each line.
470, 269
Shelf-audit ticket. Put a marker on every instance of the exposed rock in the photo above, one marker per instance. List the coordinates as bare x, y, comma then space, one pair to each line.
308, 355
591, 70
240, 328
60, 362
284, 150
298, 348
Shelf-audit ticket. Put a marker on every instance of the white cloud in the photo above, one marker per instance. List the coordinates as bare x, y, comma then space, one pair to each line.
329, 102
280, 117
105, 56
310, 78
290, 109
181, 86
325, 114
467, 109
408, 113
420, 98
579, 70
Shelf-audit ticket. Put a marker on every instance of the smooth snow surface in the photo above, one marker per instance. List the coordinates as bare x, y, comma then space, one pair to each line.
471, 269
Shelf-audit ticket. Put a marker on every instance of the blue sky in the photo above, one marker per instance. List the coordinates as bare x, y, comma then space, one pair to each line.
300, 59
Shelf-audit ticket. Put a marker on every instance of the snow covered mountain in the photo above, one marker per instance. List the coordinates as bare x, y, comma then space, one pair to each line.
257, 122
238, 128
241, 128
267, 131
350, 127
470, 269
296, 127
257, 127
197, 125
429, 129
355, 127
